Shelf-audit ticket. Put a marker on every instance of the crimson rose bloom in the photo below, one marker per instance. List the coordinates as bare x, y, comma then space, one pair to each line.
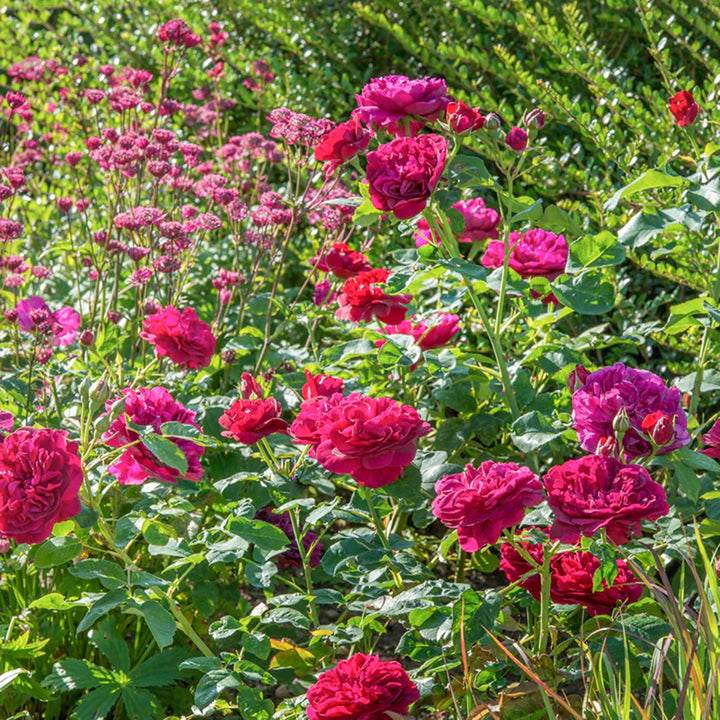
362, 299
40, 476
683, 107
305, 429
481, 502
402, 174
342, 143
428, 337
321, 386
639, 392
363, 687
370, 439
596, 492
537, 253
402, 106
181, 336
514, 565
341, 261
571, 582
481, 223
249, 420
461, 118
712, 440
151, 407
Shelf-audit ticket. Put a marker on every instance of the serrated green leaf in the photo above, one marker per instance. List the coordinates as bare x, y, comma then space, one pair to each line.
166, 451
56, 551
160, 621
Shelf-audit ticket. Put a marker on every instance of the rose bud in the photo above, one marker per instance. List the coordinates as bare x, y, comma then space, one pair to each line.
535, 119
577, 378
516, 139
683, 107
660, 427
461, 118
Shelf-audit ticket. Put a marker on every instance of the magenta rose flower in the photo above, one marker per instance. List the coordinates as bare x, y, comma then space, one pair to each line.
342, 143
40, 476
60, 327
712, 440
428, 337
370, 439
571, 582
595, 491
362, 299
639, 393
683, 107
251, 419
402, 174
363, 687
402, 106
481, 223
321, 386
291, 556
481, 502
181, 336
341, 261
305, 429
537, 253
150, 407
515, 566
516, 139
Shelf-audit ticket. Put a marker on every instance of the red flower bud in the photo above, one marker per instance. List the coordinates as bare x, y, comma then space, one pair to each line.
660, 427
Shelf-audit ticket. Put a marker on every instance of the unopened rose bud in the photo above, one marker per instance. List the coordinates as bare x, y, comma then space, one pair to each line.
516, 139
621, 421
535, 119
86, 337
607, 446
492, 122
577, 378
660, 427
114, 317
228, 356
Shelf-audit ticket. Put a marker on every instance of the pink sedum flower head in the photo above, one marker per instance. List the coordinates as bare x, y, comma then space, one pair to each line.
60, 326
594, 492
612, 389
151, 407
181, 336
370, 439
363, 687
40, 476
481, 223
402, 106
482, 502
402, 174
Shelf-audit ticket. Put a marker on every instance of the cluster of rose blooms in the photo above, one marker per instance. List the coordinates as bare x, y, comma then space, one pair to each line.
620, 414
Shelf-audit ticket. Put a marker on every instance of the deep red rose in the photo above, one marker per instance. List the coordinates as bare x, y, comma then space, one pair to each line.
571, 582
305, 429
40, 476
516, 139
370, 439
363, 687
428, 337
362, 298
321, 386
181, 336
712, 440
402, 174
150, 407
660, 427
683, 107
342, 262
481, 502
461, 118
247, 421
595, 491
514, 565
342, 143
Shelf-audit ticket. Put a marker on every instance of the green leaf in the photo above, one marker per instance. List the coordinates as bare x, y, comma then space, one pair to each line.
649, 180
106, 638
96, 705
558, 220
697, 460
110, 574
160, 621
266, 536
684, 315
166, 451
102, 606
212, 684
185, 432
533, 430
160, 670
56, 551
399, 350
73, 674
260, 576
593, 251
587, 294
366, 214
140, 704
643, 227
7, 678
706, 196
51, 601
